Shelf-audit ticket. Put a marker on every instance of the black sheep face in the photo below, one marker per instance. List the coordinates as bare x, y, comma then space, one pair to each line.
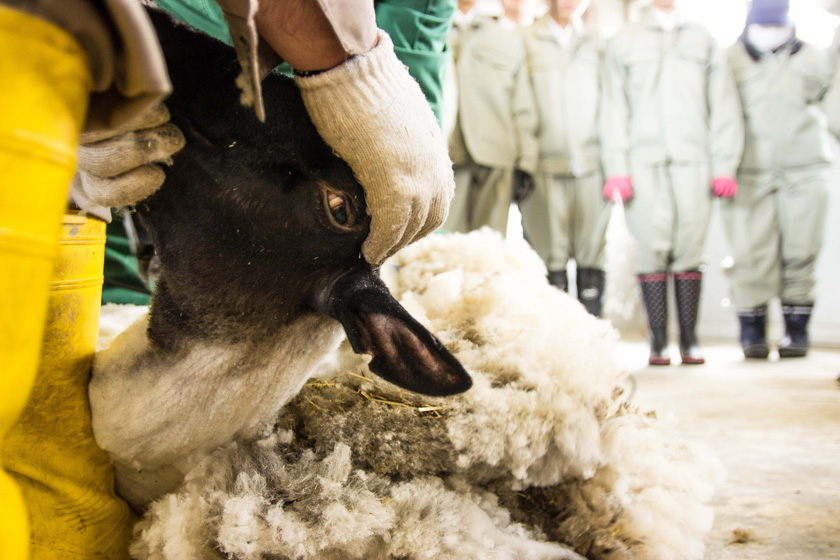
253, 222
260, 223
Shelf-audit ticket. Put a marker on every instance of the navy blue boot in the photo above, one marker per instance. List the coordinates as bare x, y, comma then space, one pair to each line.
754, 333
795, 343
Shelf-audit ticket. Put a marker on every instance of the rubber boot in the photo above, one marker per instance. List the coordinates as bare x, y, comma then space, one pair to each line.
590, 286
795, 344
44, 87
655, 298
754, 333
687, 290
559, 279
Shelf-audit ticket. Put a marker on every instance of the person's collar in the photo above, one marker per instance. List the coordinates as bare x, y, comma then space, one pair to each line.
463, 20
768, 39
565, 36
668, 22
663, 21
794, 44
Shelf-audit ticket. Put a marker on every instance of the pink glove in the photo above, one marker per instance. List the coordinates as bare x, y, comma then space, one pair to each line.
620, 185
724, 187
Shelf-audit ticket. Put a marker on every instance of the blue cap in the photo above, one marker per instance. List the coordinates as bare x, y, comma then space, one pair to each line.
770, 12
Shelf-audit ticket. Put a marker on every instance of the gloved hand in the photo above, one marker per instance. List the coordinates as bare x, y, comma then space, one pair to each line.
523, 185
116, 167
724, 187
620, 185
375, 117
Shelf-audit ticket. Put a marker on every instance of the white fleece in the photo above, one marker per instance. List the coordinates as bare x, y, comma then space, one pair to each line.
543, 453
156, 415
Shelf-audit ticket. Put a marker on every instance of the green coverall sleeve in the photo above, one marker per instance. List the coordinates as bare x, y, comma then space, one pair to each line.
419, 29
615, 115
204, 15
726, 118
525, 119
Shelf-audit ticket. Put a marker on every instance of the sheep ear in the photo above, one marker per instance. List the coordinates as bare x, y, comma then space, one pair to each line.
404, 352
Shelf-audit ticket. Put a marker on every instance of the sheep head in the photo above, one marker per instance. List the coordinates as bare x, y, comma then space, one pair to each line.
258, 224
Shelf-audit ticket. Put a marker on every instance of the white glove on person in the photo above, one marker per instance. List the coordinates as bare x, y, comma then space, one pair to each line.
375, 117
117, 167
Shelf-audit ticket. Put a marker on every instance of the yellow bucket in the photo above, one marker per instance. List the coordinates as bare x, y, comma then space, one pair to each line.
66, 480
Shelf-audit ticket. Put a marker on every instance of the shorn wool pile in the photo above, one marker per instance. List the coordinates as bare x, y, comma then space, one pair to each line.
543, 458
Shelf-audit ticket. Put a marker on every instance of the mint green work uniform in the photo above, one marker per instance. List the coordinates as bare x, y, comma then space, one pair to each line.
671, 120
495, 129
776, 223
419, 30
566, 216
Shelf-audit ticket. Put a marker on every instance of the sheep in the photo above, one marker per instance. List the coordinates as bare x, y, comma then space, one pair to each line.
543, 454
258, 229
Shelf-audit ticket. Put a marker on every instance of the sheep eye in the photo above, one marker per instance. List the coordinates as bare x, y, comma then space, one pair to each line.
338, 209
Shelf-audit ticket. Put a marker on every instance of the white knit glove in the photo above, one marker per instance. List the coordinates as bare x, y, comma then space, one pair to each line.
375, 117
115, 168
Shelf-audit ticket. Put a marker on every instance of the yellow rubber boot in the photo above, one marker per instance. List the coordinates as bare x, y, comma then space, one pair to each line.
67, 481
44, 90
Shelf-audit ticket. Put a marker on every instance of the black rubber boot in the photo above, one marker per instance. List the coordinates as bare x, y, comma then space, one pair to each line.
590, 287
655, 298
687, 290
754, 333
559, 279
795, 343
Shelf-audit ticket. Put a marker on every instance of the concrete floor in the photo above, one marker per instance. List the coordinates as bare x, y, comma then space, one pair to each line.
775, 425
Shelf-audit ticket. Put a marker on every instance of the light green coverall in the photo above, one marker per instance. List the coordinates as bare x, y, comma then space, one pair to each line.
566, 216
776, 222
495, 128
671, 120
831, 103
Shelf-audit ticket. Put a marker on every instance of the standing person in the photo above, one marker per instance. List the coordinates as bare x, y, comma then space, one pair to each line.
493, 144
672, 136
776, 222
566, 216
463, 21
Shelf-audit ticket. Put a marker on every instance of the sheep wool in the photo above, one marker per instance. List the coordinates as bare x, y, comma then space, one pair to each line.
543, 458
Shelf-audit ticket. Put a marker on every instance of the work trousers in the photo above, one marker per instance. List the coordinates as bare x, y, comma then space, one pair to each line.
566, 217
482, 198
669, 216
775, 227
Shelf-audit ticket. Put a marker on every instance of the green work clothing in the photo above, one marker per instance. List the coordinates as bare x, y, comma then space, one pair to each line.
775, 228
669, 96
496, 113
566, 216
449, 122
671, 120
781, 96
831, 103
122, 280
776, 222
669, 216
567, 90
418, 28
495, 129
